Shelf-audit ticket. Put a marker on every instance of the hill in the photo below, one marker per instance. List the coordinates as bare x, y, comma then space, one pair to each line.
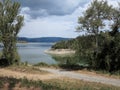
42, 39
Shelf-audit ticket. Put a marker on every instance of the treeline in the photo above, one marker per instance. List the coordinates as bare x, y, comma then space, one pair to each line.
75, 43
100, 47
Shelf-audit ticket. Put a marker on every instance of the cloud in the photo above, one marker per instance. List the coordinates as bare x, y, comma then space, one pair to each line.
56, 18
114, 3
40, 8
42, 27
53, 25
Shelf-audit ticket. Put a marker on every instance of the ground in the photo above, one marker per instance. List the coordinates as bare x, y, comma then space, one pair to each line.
61, 78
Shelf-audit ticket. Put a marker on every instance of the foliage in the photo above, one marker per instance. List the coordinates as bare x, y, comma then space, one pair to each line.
71, 62
83, 49
4, 62
10, 24
109, 56
75, 44
63, 44
42, 64
93, 19
105, 56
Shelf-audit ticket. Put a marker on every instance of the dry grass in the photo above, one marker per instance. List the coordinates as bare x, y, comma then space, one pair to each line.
53, 84
26, 69
73, 84
31, 73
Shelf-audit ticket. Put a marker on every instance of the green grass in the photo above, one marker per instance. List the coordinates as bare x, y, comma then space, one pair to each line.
42, 64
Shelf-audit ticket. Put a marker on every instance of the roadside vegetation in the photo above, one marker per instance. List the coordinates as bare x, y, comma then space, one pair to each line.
53, 84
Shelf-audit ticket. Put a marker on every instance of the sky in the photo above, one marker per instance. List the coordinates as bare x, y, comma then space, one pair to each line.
52, 18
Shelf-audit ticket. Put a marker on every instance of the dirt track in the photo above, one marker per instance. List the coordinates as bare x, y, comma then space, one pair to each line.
85, 77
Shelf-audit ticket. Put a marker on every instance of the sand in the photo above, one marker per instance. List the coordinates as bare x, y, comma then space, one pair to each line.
60, 51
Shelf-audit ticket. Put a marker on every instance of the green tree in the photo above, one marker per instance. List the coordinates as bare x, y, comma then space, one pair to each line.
93, 18
109, 57
10, 25
106, 55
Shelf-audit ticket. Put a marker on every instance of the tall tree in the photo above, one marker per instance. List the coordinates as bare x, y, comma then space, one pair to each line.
93, 18
10, 25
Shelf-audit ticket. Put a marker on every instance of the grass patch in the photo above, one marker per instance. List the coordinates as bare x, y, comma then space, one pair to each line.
26, 69
73, 84
42, 64
54, 84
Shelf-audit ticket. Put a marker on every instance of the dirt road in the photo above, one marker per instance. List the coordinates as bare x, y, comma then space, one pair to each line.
85, 77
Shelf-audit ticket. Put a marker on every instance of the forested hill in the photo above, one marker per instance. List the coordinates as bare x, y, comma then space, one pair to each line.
42, 39
83, 43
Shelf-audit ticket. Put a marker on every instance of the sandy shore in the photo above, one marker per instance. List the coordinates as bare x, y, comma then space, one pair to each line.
60, 51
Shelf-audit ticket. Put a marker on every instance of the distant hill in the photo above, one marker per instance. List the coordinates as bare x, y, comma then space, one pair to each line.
43, 39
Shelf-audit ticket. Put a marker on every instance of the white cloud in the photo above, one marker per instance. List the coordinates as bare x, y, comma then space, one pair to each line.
24, 11
47, 27
113, 2
59, 26
53, 25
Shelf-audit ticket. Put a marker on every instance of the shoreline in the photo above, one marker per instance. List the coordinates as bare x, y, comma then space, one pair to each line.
60, 51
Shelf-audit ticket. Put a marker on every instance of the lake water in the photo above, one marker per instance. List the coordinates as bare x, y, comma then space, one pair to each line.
34, 53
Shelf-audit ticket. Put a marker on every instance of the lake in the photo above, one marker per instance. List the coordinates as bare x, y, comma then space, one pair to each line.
34, 53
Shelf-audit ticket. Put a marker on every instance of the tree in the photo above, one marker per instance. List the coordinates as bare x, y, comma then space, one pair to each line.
106, 55
93, 18
109, 57
10, 25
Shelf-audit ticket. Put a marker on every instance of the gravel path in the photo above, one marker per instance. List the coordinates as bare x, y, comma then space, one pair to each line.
85, 77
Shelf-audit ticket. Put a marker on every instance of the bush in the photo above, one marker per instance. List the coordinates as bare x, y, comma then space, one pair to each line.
4, 62
41, 64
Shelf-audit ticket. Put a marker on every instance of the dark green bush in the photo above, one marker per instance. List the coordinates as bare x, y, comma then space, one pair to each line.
4, 62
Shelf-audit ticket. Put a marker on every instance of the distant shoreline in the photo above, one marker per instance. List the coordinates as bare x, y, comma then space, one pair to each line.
60, 51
